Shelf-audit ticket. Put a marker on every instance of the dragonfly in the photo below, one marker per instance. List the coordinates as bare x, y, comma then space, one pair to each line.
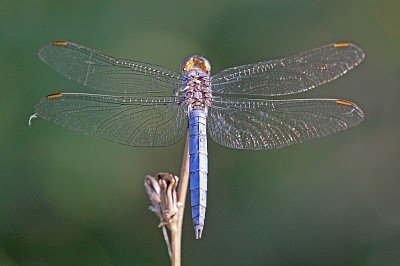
146, 105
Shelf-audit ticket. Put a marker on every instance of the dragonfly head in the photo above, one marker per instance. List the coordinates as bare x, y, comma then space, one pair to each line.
195, 63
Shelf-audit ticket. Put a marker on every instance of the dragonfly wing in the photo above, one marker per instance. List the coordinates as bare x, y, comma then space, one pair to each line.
289, 75
266, 124
103, 72
151, 122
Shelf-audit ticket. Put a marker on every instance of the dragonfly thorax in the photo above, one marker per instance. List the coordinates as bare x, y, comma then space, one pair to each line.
196, 90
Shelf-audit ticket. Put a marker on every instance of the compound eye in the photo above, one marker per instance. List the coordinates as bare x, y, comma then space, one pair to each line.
204, 65
195, 63
187, 64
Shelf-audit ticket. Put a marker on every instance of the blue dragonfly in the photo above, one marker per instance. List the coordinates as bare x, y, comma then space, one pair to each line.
146, 105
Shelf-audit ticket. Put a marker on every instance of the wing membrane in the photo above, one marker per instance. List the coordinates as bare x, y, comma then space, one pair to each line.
150, 122
289, 75
100, 71
266, 124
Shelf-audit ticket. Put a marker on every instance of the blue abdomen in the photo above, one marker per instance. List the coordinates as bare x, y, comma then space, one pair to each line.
198, 168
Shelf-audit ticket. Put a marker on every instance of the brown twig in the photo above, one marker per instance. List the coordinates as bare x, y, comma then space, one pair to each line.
170, 206
176, 235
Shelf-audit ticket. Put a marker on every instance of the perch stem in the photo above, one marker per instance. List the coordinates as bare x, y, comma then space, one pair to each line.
176, 233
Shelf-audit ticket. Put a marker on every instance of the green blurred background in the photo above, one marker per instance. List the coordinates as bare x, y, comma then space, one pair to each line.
66, 198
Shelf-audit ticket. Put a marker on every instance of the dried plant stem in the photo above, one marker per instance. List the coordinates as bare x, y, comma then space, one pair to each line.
176, 232
166, 239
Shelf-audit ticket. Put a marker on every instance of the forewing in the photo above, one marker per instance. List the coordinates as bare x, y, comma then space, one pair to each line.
266, 124
289, 75
100, 71
151, 122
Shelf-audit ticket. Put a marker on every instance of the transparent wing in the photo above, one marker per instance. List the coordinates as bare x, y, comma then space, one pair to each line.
289, 75
150, 122
266, 124
100, 71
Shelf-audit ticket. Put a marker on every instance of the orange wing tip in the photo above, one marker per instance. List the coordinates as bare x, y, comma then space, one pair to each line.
54, 96
60, 43
343, 102
345, 44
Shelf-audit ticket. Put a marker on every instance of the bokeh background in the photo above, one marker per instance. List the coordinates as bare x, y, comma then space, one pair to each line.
66, 198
